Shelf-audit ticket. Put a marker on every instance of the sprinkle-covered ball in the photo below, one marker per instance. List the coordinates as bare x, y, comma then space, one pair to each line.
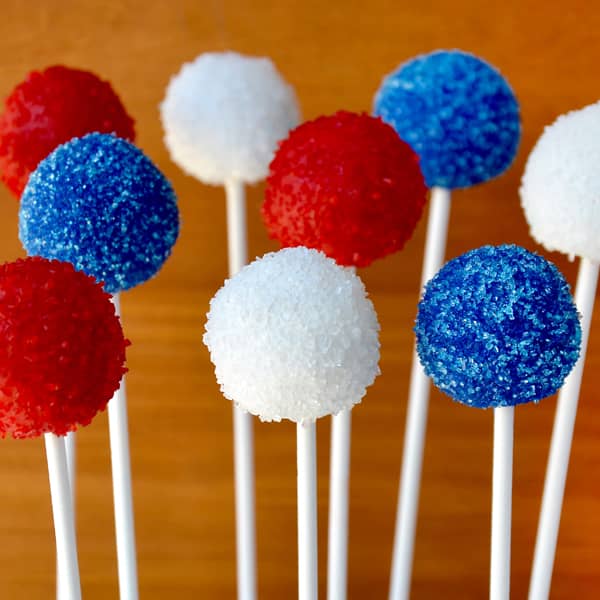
457, 112
560, 190
293, 336
100, 203
62, 350
497, 327
48, 109
223, 115
347, 185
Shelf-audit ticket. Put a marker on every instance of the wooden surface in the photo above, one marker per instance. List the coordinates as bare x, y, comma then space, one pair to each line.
335, 54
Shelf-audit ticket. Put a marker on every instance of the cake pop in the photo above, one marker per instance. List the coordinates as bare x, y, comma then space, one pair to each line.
55, 381
461, 117
457, 112
293, 336
347, 185
48, 109
223, 115
61, 358
497, 327
559, 194
100, 203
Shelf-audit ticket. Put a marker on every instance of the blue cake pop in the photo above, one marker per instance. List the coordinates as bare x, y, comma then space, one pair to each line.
497, 326
99, 203
457, 112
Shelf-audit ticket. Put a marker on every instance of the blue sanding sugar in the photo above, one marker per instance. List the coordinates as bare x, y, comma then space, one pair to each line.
99, 203
497, 326
457, 112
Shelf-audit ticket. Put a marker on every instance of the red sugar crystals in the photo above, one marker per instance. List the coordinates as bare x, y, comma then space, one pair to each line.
49, 108
62, 350
347, 185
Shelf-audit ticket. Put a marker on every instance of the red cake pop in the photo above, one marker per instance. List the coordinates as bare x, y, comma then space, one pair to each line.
347, 185
62, 349
49, 108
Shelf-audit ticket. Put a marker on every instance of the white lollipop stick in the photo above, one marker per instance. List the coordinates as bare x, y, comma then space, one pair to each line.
62, 511
416, 419
243, 433
306, 454
122, 495
339, 487
71, 450
71, 453
339, 479
504, 419
560, 446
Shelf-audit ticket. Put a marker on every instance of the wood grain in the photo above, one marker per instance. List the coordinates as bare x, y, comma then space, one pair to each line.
335, 54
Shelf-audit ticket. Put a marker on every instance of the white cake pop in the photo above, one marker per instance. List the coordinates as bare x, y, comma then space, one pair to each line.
223, 115
293, 336
560, 189
560, 194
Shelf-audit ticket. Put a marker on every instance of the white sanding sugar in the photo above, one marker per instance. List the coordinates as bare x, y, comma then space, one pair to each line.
223, 115
293, 336
560, 189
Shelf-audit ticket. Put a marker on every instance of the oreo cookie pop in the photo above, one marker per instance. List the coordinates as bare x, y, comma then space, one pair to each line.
101, 204
559, 195
293, 336
461, 117
49, 108
497, 327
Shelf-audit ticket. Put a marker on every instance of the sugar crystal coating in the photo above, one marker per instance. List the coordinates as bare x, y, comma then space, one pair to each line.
457, 112
48, 109
560, 189
62, 350
293, 336
497, 327
347, 185
100, 203
223, 115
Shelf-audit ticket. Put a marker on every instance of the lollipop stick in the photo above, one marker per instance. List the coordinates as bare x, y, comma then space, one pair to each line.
416, 419
71, 453
122, 494
306, 452
337, 558
504, 419
62, 511
243, 433
560, 446
71, 450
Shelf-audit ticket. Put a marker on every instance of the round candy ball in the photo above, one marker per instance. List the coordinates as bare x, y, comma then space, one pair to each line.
100, 203
497, 327
293, 336
457, 112
560, 189
347, 185
62, 350
223, 115
49, 108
